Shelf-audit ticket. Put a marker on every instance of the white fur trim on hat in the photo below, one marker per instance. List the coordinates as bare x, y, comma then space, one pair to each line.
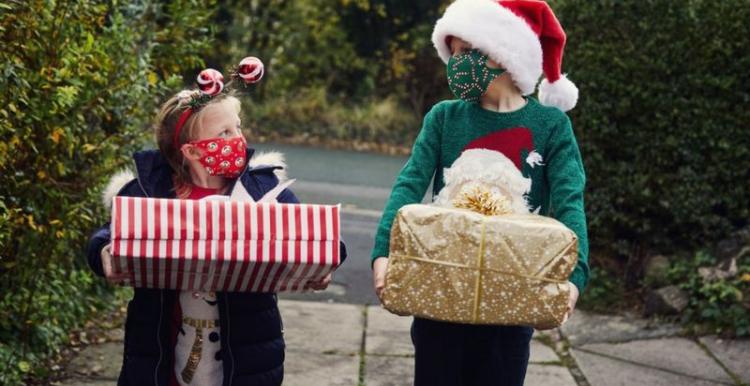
496, 31
562, 94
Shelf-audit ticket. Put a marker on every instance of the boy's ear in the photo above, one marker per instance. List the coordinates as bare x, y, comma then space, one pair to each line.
190, 152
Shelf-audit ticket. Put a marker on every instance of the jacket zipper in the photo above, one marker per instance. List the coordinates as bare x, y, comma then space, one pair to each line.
158, 338
161, 297
229, 348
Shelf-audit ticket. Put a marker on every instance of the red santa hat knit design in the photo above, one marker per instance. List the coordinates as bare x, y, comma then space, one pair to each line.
524, 36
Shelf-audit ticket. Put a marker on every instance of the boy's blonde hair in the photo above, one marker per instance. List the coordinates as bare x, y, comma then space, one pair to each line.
164, 130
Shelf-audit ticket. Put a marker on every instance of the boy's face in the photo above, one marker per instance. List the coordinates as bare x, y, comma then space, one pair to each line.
460, 46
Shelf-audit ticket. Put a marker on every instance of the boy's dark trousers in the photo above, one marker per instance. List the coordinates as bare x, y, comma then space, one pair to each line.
450, 354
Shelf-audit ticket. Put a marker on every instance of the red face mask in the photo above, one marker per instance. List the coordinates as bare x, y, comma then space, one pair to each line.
223, 157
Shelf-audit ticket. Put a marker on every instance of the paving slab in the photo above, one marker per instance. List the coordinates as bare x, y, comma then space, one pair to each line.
541, 353
389, 371
678, 355
388, 334
734, 354
544, 334
100, 361
604, 371
322, 327
305, 369
547, 375
584, 328
85, 382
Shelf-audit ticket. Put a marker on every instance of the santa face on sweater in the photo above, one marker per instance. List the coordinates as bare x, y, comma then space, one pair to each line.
488, 172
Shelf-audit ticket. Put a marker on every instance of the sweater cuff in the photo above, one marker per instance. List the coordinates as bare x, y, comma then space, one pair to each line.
378, 251
578, 278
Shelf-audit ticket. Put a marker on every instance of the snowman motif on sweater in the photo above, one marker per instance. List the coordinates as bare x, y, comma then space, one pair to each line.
198, 348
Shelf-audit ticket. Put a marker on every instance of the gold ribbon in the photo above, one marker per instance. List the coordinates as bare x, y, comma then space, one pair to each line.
195, 352
477, 296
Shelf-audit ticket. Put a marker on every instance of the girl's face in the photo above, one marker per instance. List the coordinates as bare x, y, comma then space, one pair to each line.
219, 120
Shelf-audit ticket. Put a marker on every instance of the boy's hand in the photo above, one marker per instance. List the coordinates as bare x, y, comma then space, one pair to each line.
109, 274
379, 268
572, 300
321, 284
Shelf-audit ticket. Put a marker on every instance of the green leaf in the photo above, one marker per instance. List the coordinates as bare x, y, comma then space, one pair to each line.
24, 366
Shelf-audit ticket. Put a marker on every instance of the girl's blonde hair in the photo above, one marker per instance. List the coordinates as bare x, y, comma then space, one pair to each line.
164, 128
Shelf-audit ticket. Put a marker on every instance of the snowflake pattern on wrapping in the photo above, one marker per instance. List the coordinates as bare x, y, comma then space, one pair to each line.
433, 267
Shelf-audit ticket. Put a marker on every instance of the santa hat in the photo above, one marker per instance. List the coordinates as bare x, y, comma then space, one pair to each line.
524, 36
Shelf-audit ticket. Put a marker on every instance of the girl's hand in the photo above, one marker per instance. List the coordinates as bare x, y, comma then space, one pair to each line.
379, 268
109, 274
322, 284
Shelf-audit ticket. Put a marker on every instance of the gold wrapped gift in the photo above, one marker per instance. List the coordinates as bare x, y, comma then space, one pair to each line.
460, 266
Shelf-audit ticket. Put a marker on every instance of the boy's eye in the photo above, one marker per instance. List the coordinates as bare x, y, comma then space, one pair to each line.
462, 51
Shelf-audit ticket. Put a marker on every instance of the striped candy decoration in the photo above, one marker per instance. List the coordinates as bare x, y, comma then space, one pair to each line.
223, 245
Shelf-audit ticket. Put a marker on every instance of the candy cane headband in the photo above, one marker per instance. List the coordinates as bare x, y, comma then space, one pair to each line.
211, 84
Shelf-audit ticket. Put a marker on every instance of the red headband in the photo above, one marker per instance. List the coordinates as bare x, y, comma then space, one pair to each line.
178, 127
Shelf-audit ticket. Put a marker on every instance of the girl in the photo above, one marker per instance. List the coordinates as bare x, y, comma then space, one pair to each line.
495, 52
186, 337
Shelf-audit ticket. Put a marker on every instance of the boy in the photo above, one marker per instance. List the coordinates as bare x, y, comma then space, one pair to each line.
495, 52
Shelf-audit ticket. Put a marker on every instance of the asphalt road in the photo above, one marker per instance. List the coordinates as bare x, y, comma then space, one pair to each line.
361, 183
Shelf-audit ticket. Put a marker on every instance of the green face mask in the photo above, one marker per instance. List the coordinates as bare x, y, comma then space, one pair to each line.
469, 77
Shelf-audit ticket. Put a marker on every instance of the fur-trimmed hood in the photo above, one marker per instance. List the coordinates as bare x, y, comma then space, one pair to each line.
147, 170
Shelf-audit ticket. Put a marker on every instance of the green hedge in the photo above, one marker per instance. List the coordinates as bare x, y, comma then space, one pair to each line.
312, 113
80, 82
663, 118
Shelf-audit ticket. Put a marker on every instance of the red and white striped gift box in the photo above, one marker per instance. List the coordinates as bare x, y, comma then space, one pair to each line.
223, 245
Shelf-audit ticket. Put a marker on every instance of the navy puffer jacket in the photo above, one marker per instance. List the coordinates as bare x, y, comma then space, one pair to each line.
252, 344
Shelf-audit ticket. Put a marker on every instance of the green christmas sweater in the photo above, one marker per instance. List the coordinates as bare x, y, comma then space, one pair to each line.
537, 138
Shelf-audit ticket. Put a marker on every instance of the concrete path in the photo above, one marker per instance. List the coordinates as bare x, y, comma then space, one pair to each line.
332, 344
